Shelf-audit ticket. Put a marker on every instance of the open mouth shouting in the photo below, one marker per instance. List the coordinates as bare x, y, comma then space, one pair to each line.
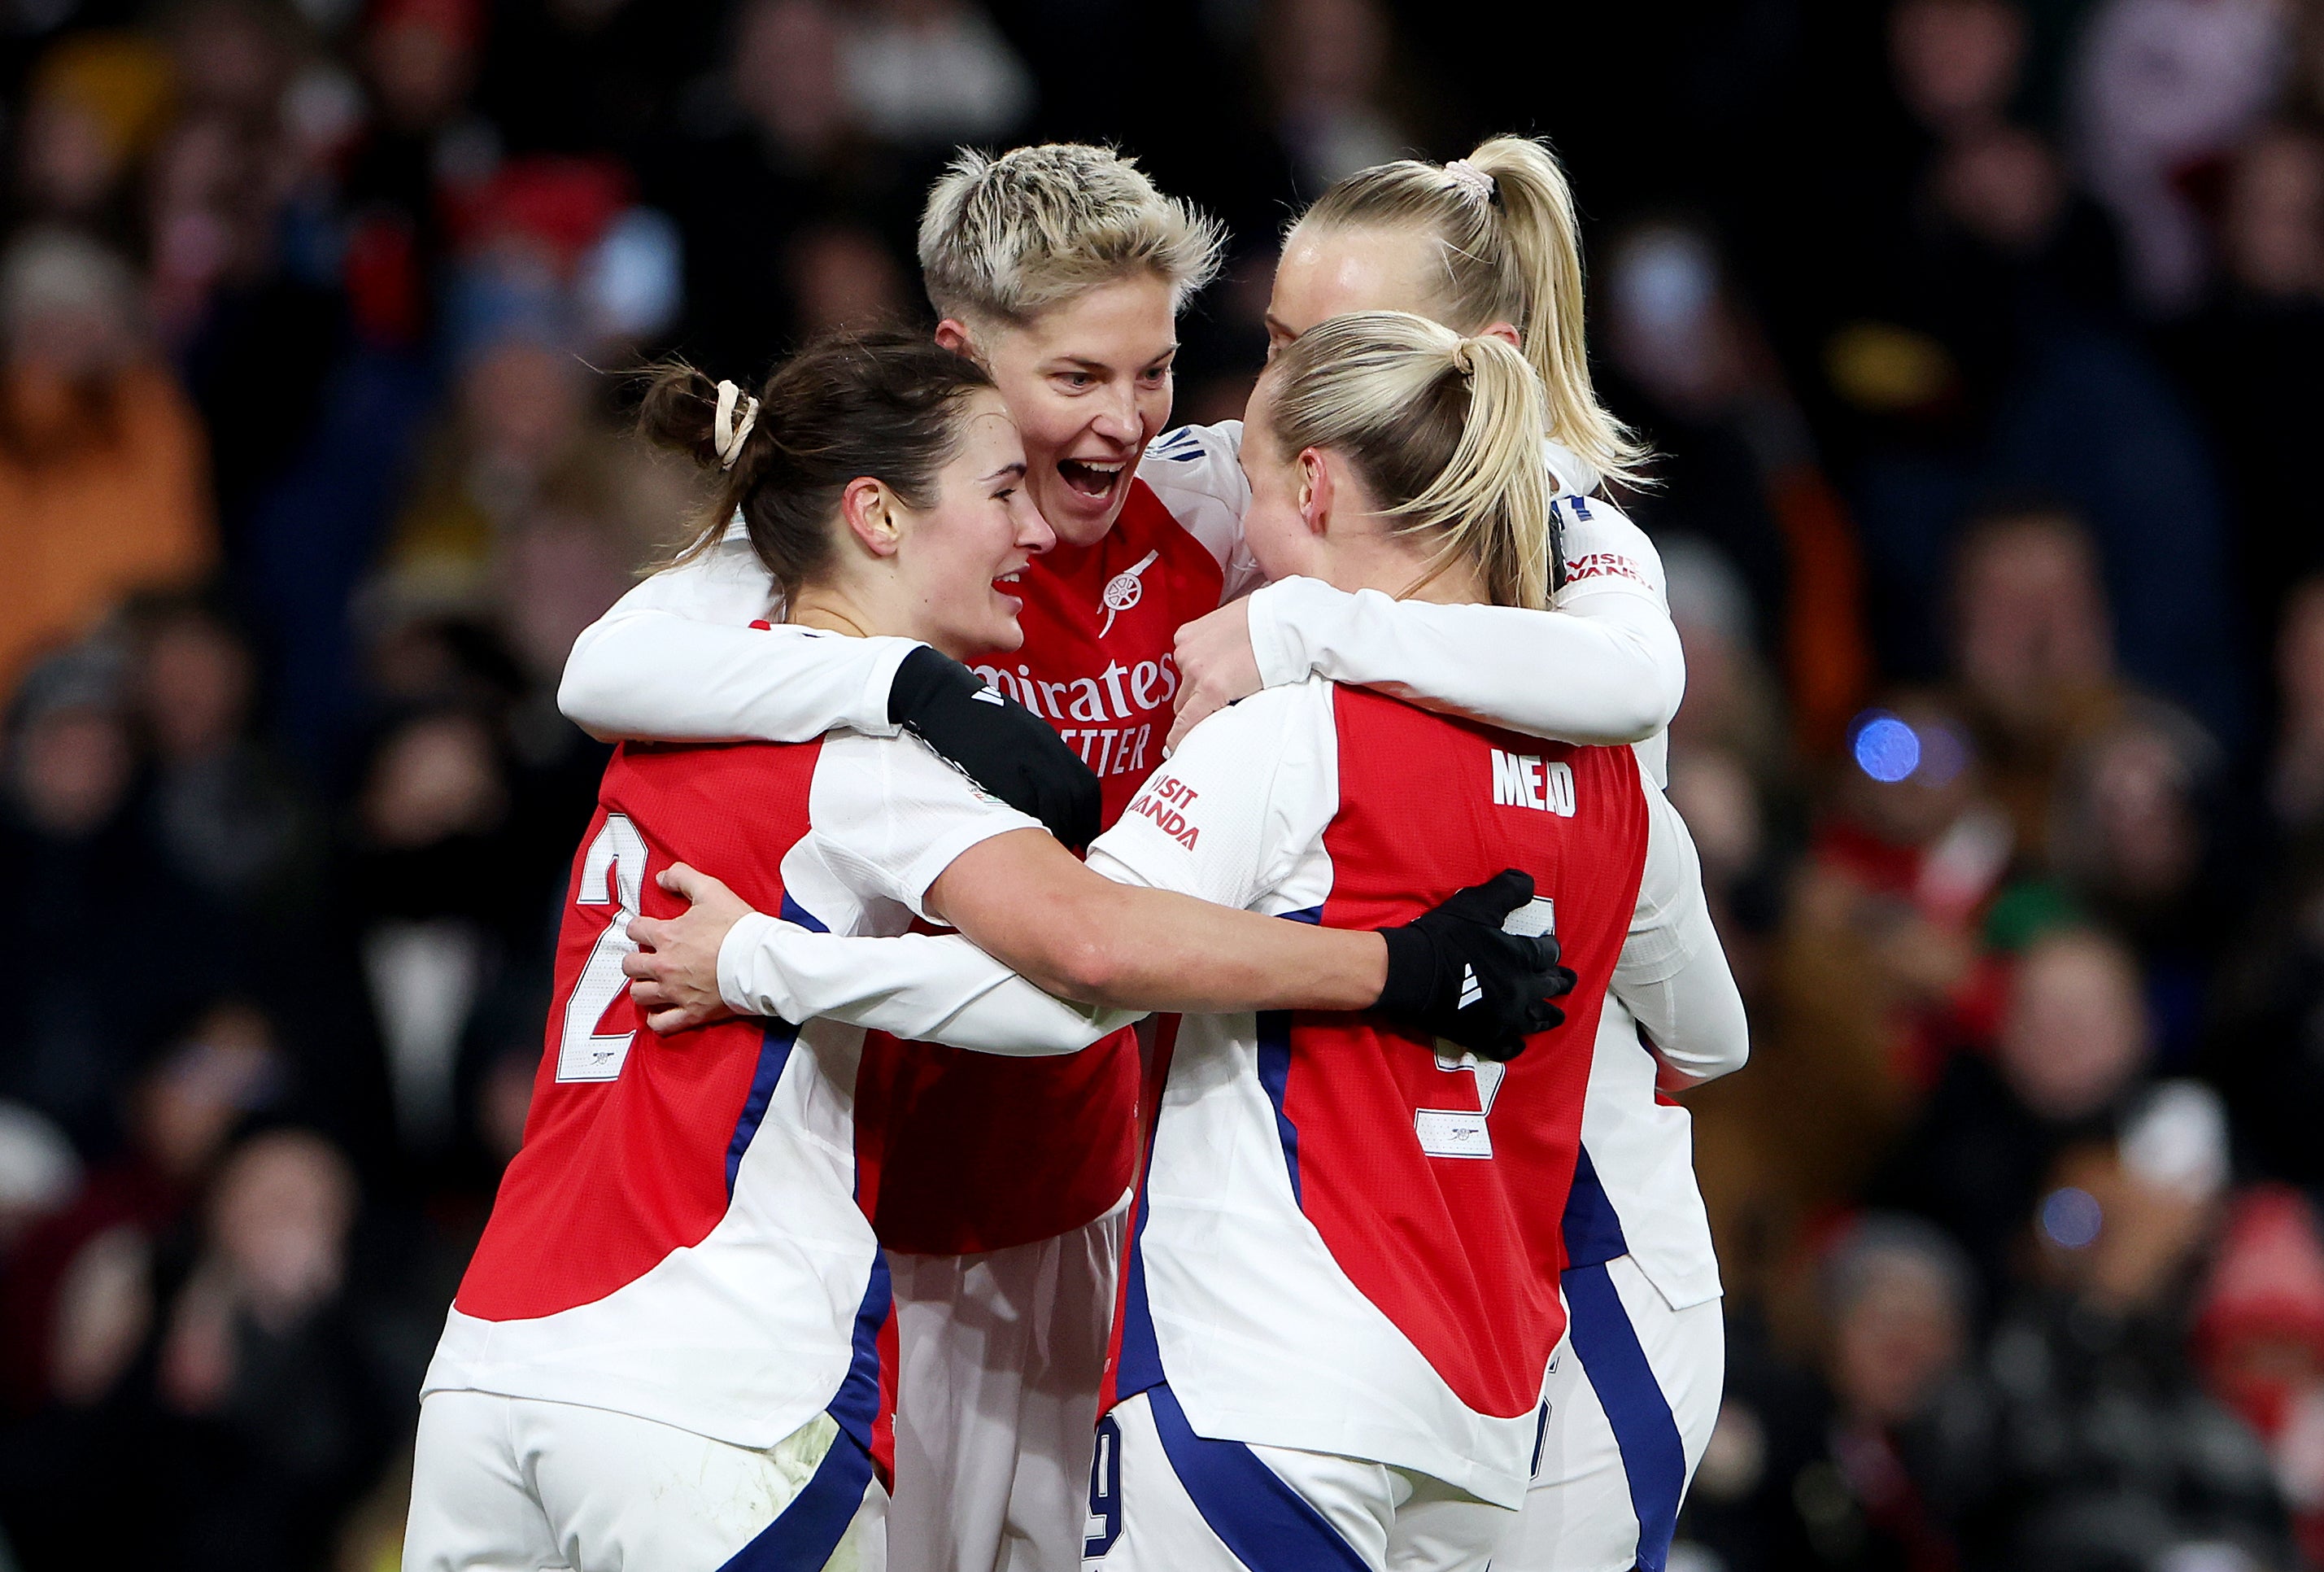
1095, 481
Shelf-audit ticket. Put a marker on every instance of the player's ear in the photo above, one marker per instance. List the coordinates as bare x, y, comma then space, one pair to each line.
951, 334
1505, 332
1316, 489
870, 511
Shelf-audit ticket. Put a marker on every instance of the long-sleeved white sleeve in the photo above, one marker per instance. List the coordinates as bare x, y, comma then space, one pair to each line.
676, 659
1603, 666
1672, 974
1609, 670
928, 987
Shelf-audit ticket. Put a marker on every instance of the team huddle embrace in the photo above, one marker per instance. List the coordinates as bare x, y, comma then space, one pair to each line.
1118, 1003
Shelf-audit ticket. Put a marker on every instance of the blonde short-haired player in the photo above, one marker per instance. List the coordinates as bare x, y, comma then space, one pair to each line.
1062, 270
1342, 1298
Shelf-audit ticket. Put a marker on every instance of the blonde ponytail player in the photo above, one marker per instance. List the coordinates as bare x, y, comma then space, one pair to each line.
1488, 243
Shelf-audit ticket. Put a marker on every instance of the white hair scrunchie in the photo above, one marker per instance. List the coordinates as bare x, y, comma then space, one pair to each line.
1477, 183
726, 432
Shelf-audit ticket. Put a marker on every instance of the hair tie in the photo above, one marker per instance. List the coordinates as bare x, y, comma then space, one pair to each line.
1464, 356
1477, 183
727, 434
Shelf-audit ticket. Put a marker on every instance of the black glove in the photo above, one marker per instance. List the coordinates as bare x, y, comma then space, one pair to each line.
997, 743
1453, 972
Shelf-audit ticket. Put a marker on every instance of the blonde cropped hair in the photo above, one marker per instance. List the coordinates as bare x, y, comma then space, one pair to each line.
1444, 430
1510, 250
1006, 236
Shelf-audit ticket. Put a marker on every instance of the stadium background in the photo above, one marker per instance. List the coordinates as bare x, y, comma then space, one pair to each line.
1981, 341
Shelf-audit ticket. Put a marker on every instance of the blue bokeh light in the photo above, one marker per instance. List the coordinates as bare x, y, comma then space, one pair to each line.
1885, 748
2071, 1217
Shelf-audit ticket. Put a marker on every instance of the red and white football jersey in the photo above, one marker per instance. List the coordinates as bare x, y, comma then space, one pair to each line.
1349, 1241
994, 1152
684, 1234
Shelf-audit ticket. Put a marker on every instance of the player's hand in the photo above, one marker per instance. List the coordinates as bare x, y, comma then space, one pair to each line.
997, 743
1216, 666
1454, 973
675, 972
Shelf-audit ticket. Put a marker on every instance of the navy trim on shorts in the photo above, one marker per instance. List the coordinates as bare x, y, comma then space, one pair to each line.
1646, 1433
806, 1531
1268, 1525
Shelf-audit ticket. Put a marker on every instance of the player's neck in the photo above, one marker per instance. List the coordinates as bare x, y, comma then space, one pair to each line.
1390, 565
835, 611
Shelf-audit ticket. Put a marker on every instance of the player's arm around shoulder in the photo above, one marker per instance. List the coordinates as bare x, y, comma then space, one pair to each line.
1162, 917
1605, 550
889, 817
1603, 666
677, 658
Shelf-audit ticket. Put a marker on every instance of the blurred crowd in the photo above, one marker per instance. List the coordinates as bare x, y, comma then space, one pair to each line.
1980, 341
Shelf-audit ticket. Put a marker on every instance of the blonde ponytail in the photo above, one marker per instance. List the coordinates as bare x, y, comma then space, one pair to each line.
1445, 431
1510, 250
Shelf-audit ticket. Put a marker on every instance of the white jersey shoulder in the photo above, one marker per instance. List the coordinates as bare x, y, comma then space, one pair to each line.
1196, 473
1604, 550
1236, 814
887, 816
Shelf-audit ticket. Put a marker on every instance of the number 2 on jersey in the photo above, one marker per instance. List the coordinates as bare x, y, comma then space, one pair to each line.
610, 875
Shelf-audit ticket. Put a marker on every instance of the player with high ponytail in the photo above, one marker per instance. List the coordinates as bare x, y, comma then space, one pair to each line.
1438, 426
1504, 247
1291, 1390
1487, 244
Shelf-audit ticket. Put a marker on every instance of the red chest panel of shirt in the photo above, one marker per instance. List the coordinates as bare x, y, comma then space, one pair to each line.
979, 1152
1099, 624
1439, 1183
628, 1148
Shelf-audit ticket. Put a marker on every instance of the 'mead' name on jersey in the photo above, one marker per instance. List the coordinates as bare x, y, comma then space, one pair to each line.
1523, 781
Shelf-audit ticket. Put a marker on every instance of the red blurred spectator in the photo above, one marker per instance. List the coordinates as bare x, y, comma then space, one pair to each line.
2259, 1337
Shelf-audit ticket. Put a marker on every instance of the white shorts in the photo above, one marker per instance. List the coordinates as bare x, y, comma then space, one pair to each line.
1632, 1398
1162, 1498
998, 1357
512, 1485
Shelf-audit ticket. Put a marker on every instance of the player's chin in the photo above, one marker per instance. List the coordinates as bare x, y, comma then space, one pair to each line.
1003, 629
